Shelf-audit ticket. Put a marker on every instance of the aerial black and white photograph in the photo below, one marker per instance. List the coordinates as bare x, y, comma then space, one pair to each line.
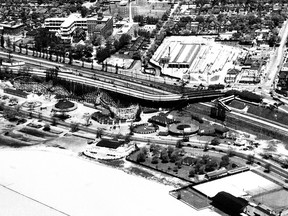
143, 107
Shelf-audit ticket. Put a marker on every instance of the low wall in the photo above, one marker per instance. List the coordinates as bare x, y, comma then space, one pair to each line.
247, 125
251, 126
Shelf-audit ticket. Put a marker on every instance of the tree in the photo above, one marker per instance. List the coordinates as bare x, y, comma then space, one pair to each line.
46, 127
178, 163
136, 55
267, 167
174, 156
102, 54
206, 148
199, 19
96, 39
74, 126
144, 150
211, 165
84, 11
179, 144
170, 150
2, 41
9, 43
140, 157
154, 160
87, 117
99, 133
164, 156
224, 160
250, 159
124, 40
54, 122
215, 141
10, 113
192, 173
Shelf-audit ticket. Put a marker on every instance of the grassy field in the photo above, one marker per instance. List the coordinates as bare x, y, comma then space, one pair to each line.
237, 104
181, 171
271, 114
276, 199
35, 132
12, 142
192, 198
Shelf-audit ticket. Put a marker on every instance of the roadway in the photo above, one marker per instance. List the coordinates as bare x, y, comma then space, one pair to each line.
109, 81
276, 60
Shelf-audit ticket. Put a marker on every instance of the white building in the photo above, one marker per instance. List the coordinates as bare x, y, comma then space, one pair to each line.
65, 26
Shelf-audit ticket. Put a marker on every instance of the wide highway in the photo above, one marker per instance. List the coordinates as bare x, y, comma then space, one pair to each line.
94, 74
109, 81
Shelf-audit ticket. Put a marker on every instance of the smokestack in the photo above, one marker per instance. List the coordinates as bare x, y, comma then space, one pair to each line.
130, 12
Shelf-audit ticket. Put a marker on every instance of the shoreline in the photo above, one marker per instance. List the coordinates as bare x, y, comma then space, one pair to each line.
56, 172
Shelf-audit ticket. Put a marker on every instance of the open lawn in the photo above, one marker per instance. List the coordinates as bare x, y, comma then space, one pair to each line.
192, 198
35, 132
276, 199
181, 169
237, 104
271, 114
12, 142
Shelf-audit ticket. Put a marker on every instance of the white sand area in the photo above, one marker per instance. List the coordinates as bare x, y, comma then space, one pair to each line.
78, 187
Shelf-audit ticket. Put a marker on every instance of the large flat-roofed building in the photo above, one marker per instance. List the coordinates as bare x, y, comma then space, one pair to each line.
64, 27
195, 59
11, 28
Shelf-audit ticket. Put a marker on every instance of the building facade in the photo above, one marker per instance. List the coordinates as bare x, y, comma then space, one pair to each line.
12, 28
65, 27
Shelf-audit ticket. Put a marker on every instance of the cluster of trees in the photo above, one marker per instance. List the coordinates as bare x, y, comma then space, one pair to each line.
82, 51
245, 25
144, 33
163, 154
112, 47
245, 95
45, 39
149, 20
205, 163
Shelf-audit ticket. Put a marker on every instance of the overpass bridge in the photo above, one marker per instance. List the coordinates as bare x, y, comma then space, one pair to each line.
130, 87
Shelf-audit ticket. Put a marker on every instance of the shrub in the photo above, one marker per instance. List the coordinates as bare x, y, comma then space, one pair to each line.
179, 144
224, 161
175, 169
140, 157
267, 167
144, 150
215, 141
74, 127
178, 195
192, 173
250, 159
46, 127
154, 160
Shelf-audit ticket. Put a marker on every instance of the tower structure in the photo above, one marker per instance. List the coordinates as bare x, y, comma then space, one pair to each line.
130, 11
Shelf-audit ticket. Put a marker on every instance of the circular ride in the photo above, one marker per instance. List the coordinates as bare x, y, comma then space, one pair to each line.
31, 104
183, 128
64, 105
145, 128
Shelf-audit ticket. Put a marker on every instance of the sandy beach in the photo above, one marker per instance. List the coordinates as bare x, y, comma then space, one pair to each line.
54, 182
